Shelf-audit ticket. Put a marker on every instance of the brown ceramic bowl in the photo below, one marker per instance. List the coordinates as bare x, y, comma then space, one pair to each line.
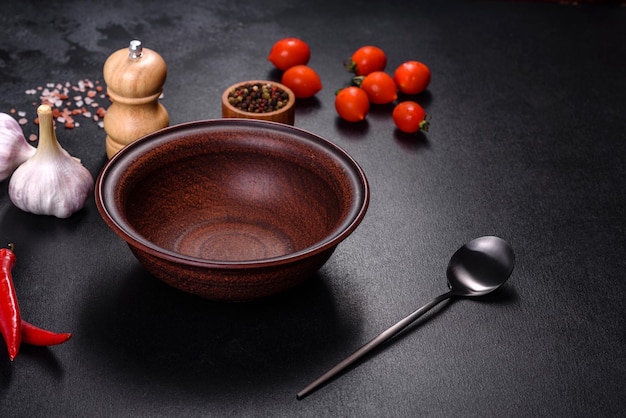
232, 209
284, 115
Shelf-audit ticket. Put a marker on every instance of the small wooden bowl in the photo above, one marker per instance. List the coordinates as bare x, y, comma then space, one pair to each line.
284, 115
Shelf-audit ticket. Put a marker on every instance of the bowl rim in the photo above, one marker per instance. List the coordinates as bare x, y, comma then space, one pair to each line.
135, 240
233, 109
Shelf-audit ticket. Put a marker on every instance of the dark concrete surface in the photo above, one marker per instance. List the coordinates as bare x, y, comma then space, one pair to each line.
526, 110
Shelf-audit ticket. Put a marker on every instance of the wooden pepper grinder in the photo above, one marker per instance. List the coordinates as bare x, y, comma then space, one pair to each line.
134, 79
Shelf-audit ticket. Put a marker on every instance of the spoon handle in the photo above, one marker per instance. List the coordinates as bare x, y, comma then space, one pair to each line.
375, 342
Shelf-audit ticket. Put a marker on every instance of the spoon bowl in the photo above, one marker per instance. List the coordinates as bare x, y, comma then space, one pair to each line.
480, 266
476, 269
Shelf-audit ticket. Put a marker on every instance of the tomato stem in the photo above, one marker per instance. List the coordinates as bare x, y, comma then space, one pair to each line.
358, 80
350, 65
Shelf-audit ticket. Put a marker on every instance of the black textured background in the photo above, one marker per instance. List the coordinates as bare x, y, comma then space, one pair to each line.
527, 106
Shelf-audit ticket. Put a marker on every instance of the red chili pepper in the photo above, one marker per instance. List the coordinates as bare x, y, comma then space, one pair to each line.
10, 318
34, 335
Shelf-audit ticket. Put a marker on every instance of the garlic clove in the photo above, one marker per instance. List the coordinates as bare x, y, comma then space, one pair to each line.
14, 149
51, 182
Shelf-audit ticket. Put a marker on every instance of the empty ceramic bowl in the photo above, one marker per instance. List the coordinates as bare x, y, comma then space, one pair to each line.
232, 209
275, 92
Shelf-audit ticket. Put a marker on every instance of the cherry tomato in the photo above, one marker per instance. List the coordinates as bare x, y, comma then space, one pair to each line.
289, 52
303, 80
412, 77
410, 117
366, 60
352, 104
380, 87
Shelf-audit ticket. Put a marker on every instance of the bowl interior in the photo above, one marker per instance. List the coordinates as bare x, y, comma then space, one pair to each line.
233, 191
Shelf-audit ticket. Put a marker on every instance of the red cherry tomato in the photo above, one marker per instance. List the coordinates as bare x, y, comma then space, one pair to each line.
352, 104
412, 77
410, 117
289, 52
380, 87
303, 80
366, 60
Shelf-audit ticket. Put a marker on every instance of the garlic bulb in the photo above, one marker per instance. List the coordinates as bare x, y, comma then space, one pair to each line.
14, 149
51, 182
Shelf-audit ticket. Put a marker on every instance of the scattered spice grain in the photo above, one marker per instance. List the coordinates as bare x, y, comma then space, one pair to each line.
68, 100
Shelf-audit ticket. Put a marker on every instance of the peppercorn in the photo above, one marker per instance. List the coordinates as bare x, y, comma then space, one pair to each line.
258, 97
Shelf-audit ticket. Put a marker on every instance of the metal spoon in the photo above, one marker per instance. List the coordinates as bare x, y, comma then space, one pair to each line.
477, 268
